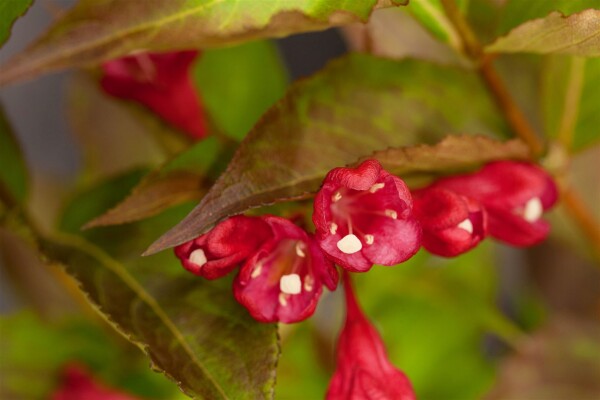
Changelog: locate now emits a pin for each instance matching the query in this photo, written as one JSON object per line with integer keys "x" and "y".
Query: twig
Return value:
{"x": 581, "y": 215}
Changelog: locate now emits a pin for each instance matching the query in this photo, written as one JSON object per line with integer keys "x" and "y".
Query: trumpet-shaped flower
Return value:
{"x": 363, "y": 216}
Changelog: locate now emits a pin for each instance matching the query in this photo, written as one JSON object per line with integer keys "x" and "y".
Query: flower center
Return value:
{"x": 467, "y": 225}
{"x": 350, "y": 215}
{"x": 198, "y": 257}
{"x": 533, "y": 210}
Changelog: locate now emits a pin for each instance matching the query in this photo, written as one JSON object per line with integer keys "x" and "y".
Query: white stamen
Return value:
{"x": 336, "y": 197}
{"x": 299, "y": 251}
{"x": 467, "y": 225}
{"x": 349, "y": 244}
{"x": 256, "y": 272}
{"x": 333, "y": 228}
{"x": 369, "y": 239}
{"x": 533, "y": 210}
{"x": 308, "y": 283}
{"x": 391, "y": 213}
{"x": 290, "y": 284}
{"x": 376, "y": 187}
{"x": 283, "y": 299}
{"x": 198, "y": 257}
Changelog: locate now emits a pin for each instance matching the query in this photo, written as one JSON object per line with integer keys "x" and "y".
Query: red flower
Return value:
{"x": 452, "y": 224}
{"x": 78, "y": 384}
{"x": 514, "y": 194}
{"x": 283, "y": 280}
{"x": 364, "y": 216}
{"x": 161, "y": 82}
{"x": 219, "y": 251}
{"x": 363, "y": 369}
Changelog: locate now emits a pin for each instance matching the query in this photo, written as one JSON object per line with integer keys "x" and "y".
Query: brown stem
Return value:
{"x": 494, "y": 83}
{"x": 583, "y": 218}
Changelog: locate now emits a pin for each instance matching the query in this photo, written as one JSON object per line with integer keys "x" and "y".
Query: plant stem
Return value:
{"x": 576, "y": 208}
{"x": 581, "y": 215}
{"x": 494, "y": 83}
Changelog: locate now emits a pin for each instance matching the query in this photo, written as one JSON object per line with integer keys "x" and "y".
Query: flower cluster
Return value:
{"x": 365, "y": 216}
{"x": 160, "y": 82}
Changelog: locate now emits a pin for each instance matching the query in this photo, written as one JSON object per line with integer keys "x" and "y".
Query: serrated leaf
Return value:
{"x": 184, "y": 178}
{"x": 192, "y": 329}
{"x": 570, "y": 100}
{"x": 357, "y": 105}
{"x": 238, "y": 84}
{"x": 13, "y": 172}
{"x": 10, "y": 10}
{"x": 577, "y": 34}
{"x": 94, "y": 30}
{"x": 452, "y": 154}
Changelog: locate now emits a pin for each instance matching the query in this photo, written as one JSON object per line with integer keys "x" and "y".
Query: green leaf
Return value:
{"x": 356, "y": 105}
{"x": 431, "y": 14}
{"x": 517, "y": 12}
{"x": 10, "y": 10}
{"x": 13, "y": 172}
{"x": 182, "y": 179}
{"x": 238, "y": 84}
{"x": 577, "y": 34}
{"x": 569, "y": 100}
{"x": 191, "y": 329}
{"x": 95, "y": 31}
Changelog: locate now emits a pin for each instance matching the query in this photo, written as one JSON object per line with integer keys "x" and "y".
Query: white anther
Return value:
{"x": 283, "y": 299}
{"x": 391, "y": 213}
{"x": 467, "y": 225}
{"x": 333, "y": 228}
{"x": 533, "y": 210}
{"x": 256, "y": 272}
{"x": 349, "y": 244}
{"x": 336, "y": 197}
{"x": 290, "y": 284}
{"x": 308, "y": 283}
{"x": 369, "y": 239}
{"x": 198, "y": 257}
{"x": 376, "y": 187}
{"x": 299, "y": 250}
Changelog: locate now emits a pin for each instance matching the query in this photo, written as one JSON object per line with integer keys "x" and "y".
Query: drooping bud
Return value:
{"x": 363, "y": 216}
{"x": 226, "y": 246}
{"x": 160, "y": 82}
{"x": 452, "y": 224}
{"x": 283, "y": 280}
{"x": 363, "y": 370}
{"x": 514, "y": 195}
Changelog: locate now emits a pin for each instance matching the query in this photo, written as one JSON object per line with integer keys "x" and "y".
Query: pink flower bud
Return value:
{"x": 162, "y": 83}
{"x": 78, "y": 384}
{"x": 514, "y": 195}
{"x": 282, "y": 281}
{"x": 219, "y": 251}
{"x": 363, "y": 369}
{"x": 363, "y": 216}
{"x": 452, "y": 224}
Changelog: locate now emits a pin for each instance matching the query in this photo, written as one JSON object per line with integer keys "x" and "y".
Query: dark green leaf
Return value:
{"x": 570, "y": 98}
{"x": 238, "y": 84}
{"x": 10, "y": 10}
{"x": 192, "y": 329}
{"x": 94, "y": 30}
{"x": 357, "y": 105}
{"x": 577, "y": 34}
{"x": 13, "y": 172}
